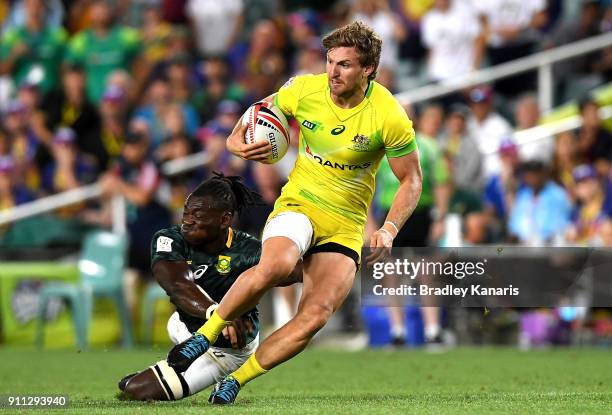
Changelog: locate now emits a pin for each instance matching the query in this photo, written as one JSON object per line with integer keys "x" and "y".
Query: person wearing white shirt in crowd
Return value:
{"x": 487, "y": 128}
{"x": 512, "y": 29}
{"x": 378, "y": 15}
{"x": 527, "y": 115}
{"x": 452, "y": 34}
{"x": 216, "y": 24}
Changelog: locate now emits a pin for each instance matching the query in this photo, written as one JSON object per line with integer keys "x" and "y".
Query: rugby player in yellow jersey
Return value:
{"x": 348, "y": 122}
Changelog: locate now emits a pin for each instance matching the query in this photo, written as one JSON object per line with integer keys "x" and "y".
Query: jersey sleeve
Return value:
{"x": 131, "y": 42}
{"x": 254, "y": 250}
{"x": 76, "y": 50}
{"x": 8, "y": 41}
{"x": 398, "y": 133}
{"x": 288, "y": 96}
{"x": 167, "y": 245}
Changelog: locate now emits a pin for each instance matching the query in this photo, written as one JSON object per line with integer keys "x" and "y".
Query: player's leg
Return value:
{"x": 328, "y": 278}
{"x": 285, "y": 239}
{"x": 160, "y": 382}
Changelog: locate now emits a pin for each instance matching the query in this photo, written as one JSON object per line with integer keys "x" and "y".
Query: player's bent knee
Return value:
{"x": 269, "y": 273}
{"x": 313, "y": 318}
{"x": 160, "y": 383}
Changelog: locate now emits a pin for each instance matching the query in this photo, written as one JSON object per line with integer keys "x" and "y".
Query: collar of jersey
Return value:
{"x": 344, "y": 114}
{"x": 230, "y": 236}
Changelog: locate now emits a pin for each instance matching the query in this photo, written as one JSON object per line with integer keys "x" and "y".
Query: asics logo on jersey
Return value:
{"x": 335, "y": 165}
{"x": 200, "y": 271}
{"x": 338, "y": 130}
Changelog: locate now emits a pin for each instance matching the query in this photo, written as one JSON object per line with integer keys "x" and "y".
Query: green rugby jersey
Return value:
{"x": 45, "y": 53}
{"x": 102, "y": 55}
{"x": 215, "y": 274}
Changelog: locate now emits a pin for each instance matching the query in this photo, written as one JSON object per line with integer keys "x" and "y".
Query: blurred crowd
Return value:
{"x": 95, "y": 91}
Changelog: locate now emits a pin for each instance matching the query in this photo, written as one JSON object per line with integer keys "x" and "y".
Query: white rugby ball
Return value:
{"x": 266, "y": 122}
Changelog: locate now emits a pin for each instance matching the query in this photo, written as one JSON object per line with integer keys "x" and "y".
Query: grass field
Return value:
{"x": 462, "y": 381}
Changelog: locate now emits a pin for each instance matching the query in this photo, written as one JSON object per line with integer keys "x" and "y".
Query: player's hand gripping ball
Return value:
{"x": 266, "y": 122}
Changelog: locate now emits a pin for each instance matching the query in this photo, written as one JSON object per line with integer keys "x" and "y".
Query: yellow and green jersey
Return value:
{"x": 340, "y": 149}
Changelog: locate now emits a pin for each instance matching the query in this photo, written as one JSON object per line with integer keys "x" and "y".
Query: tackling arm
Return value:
{"x": 184, "y": 293}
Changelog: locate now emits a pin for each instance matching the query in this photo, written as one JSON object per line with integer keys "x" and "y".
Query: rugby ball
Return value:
{"x": 266, "y": 122}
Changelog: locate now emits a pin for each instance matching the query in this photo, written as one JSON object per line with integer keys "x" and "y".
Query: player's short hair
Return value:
{"x": 227, "y": 193}
{"x": 360, "y": 36}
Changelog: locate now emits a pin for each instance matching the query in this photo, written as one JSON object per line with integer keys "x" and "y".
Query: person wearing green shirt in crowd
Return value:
{"x": 104, "y": 48}
{"x": 33, "y": 52}
{"x": 430, "y": 211}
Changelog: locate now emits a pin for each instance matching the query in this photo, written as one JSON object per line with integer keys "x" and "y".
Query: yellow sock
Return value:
{"x": 213, "y": 327}
{"x": 248, "y": 371}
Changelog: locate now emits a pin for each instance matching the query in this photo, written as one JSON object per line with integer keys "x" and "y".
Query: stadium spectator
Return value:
{"x": 309, "y": 59}
{"x": 527, "y": 115}
{"x": 159, "y": 102}
{"x": 378, "y": 15}
{"x": 487, "y": 127}
{"x": 412, "y": 12}
{"x": 594, "y": 205}
{"x": 105, "y": 47}
{"x": 137, "y": 179}
{"x": 52, "y": 10}
{"x": 11, "y": 193}
{"x": 216, "y": 24}
{"x": 23, "y": 145}
{"x": 155, "y": 33}
{"x": 69, "y": 107}
{"x": 182, "y": 82}
{"x": 462, "y": 151}
{"x": 541, "y": 210}
{"x": 512, "y": 28}
{"x": 69, "y": 169}
{"x": 219, "y": 86}
{"x": 33, "y": 51}
{"x": 452, "y": 34}
{"x": 594, "y": 142}
{"x": 426, "y": 224}
{"x": 566, "y": 158}
{"x": 500, "y": 188}
{"x": 587, "y": 24}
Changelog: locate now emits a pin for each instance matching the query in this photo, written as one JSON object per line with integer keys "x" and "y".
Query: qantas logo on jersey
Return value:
{"x": 334, "y": 165}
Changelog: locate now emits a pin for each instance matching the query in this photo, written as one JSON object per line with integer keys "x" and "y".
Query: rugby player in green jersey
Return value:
{"x": 196, "y": 263}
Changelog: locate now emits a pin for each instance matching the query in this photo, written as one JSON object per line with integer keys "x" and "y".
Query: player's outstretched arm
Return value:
{"x": 407, "y": 169}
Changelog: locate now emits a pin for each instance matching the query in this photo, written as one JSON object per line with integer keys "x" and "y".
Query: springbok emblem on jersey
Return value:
{"x": 223, "y": 265}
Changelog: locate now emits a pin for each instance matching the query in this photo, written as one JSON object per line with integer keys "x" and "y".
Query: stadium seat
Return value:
{"x": 152, "y": 293}
{"x": 100, "y": 272}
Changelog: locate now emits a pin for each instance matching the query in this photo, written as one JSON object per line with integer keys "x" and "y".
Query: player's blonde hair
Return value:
{"x": 362, "y": 38}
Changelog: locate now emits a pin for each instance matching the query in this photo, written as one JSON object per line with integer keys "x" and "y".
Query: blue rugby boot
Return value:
{"x": 225, "y": 392}
{"x": 184, "y": 354}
